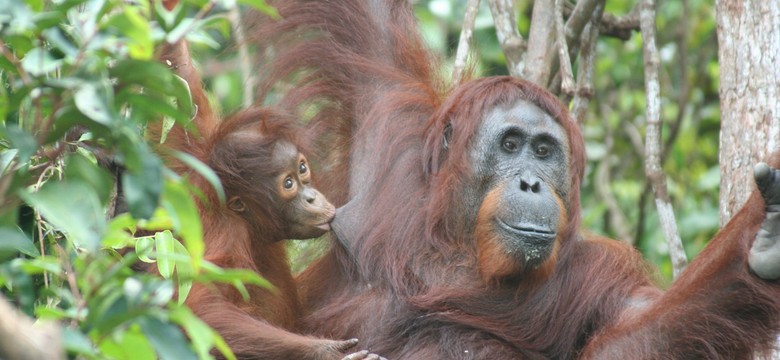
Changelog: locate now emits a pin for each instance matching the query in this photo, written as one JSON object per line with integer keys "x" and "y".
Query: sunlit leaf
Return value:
{"x": 117, "y": 235}
{"x": 132, "y": 25}
{"x": 262, "y": 6}
{"x": 186, "y": 219}
{"x": 184, "y": 271}
{"x": 144, "y": 247}
{"x": 38, "y": 265}
{"x": 164, "y": 244}
{"x": 39, "y": 62}
{"x": 93, "y": 101}
{"x": 129, "y": 344}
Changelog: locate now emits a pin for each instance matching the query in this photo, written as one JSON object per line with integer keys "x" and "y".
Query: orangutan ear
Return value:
{"x": 236, "y": 204}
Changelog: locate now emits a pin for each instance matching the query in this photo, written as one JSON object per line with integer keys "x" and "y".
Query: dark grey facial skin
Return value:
{"x": 523, "y": 152}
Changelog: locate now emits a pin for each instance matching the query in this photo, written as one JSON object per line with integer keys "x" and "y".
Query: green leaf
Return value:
{"x": 20, "y": 140}
{"x": 14, "y": 241}
{"x": 184, "y": 271}
{"x": 144, "y": 247}
{"x": 130, "y": 344}
{"x": 160, "y": 220}
{"x": 166, "y": 338}
{"x": 164, "y": 243}
{"x": 142, "y": 182}
{"x": 132, "y": 25}
{"x": 81, "y": 169}
{"x": 74, "y": 208}
{"x": 204, "y": 170}
{"x": 150, "y": 74}
{"x": 186, "y": 219}
{"x": 93, "y": 101}
{"x": 153, "y": 107}
{"x": 38, "y": 265}
{"x": 39, "y": 62}
{"x": 203, "y": 338}
{"x": 55, "y": 37}
{"x": 76, "y": 342}
{"x": 4, "y": 102}
{"x": 262, "y": 6}
{"x": 117, "y": 235}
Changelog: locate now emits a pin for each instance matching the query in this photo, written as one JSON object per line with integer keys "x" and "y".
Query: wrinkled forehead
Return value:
{"x": 525, "y": 115}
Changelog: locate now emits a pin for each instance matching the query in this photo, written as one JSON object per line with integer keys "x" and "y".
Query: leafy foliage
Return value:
{"x": 80, "y": 83}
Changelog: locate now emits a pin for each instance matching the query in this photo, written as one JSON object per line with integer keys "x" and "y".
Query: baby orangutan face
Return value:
{"x": 306, "y": 212}
{"x": 270, "y": 186}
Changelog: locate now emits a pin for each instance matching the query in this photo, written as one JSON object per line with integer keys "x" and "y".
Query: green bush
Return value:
{"x": 80, "y": 83}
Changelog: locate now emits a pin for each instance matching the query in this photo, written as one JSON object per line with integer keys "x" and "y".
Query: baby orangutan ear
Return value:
{"x": 236, "y": 204}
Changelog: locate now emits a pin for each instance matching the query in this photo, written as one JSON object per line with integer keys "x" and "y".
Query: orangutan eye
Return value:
{"x": 288, "y": 183}
{"x": 302, "y": 168}
{"x": 510, "y": 145}
{"x": 542, "y": 151}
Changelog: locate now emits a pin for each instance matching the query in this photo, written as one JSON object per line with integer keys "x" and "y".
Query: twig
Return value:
{"x": 17, "y": 64}
{"x": 70, "y": 276}
{"x": 472, "y": 6}
{"x": 567, "y": 82}
{"x": 653, "y": 168}
{"x": 243, "y": 57}
{"x": 585, "y": 67}
{"x": 509, "y": 38}
{"x": 620, "y": 27}
{"x": 39, "y": 221}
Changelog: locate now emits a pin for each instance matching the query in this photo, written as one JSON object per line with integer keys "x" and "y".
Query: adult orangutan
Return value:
{"x": 270, "y": 196}
{"x": 459, "y": 232}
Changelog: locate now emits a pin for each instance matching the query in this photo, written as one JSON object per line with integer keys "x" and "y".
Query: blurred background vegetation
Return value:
{"x": 79, "y": 84}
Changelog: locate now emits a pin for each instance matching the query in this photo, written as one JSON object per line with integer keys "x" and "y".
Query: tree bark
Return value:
{"x": 21, "y": 340}
{"x": 749, "y": 57}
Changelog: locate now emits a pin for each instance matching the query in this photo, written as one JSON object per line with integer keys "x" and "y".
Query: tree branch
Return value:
{"x": 472, "y": 6}
{"x": 567, "y": 81}
{"x": 620, "y": 27}
{"x": 512, "y": 43}
{"x": 653, "y": 168}
{"x": 585, "y": 67}
{"x": 540, "y": 55}
{"x": 21, "y": 340}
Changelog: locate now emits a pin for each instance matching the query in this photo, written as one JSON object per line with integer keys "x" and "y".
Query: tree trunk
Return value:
{"x": 749, "y": 57}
